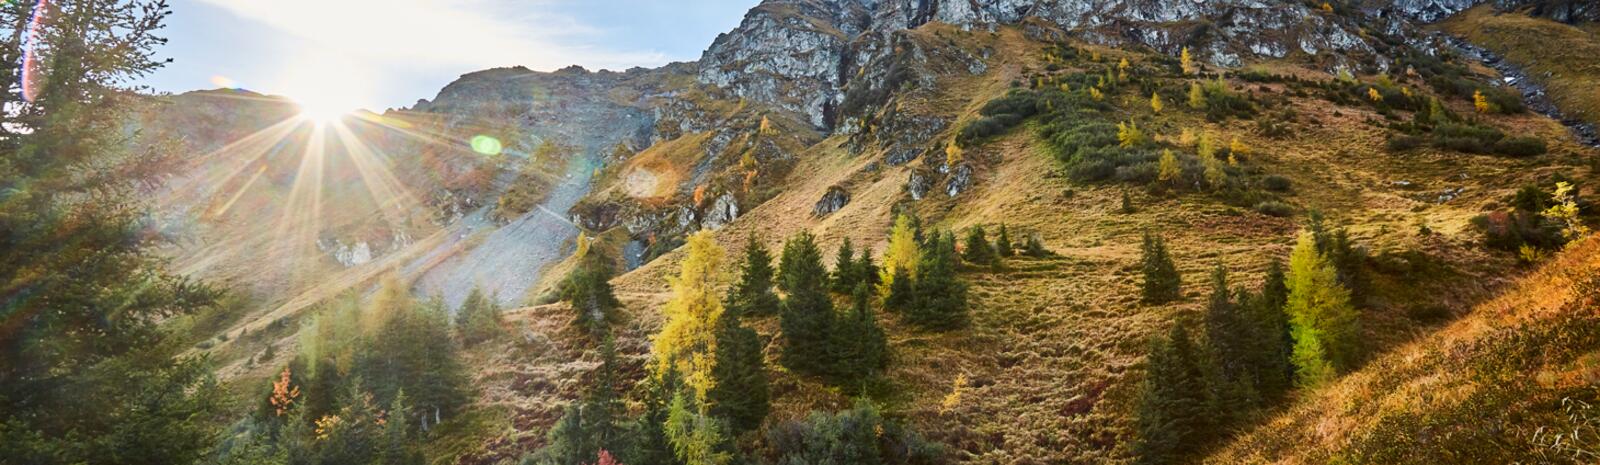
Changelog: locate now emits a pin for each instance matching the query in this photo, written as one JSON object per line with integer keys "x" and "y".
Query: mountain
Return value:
{"x": 1402, "y": 122}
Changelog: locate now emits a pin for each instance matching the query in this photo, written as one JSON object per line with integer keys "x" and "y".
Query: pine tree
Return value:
{"x": 395, "y": 448}
{"x": 1002, "y": 243}
{"x": 845, "y": 274}
{"x": 650, "y": 441}
{"x": 696, "y": 438}
{"x": 1127, "y": 203}
{"x": 588, "y": 289}
{"x": 978, "y": 252}
{"x": 1229, "y": 338}
{"x": 687, "y": 342}
{"x": 1323, "y": 321}
{"x": 902, "y": 253}
{"x": 478, "y": 319}
{"x": 807, "y": 313}
{"x": 739, "y": 392}
{"x": 859, "y": 343}
{"x": 1171, "y": 416}
{"x": 753, "y": 293}
{"x": 940, "y": 301}
{"x": 1273, "y": 345}
{"x": 900, "y": 297}
{"x": 1161, "y": 283}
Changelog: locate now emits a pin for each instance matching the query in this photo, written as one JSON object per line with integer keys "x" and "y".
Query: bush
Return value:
{"x": 1275, "y": 208}
{"x": 1520, "y": 146}
{"x": 1403, "y": 142}
{"x": 1276, "y": 183}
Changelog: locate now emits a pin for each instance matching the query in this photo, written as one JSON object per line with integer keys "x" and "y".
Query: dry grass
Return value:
{"x": 1559, "y": 56}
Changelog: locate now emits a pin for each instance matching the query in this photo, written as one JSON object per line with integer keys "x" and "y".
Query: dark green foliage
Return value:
{"x": 807, "y": 314}
{"x": 1403, "y": 142}
{"x": 1161, "y": 282}
{"x": 1522, "y": 224}
{"x": 1520, "y": 146}
{"x": 1002, "y": 242}
{"x": 998, "y": 116}
{"x": 861, "y": 349}
{"x": 1231, "y": 342}
{"x": 588, "y": 290}
{"x": 1222, "y": 103}
{"x": 87, "y": 373}
{"x": 978, "y": 251}
{"x": 866, "y": 269}
{"x": 901, "y": 292}
{"x": 651, "y": 444}
{"x": 846, "y": 275}
{"x": 1275, "y": 208}
{"x": 739, "y": 394}
{"x": 1034, "y": 247}
{"x": 413, "y": 352}
{"x": 1127, "y": 204}
{"x": 1347, "y": 258}
{"x": 859, "y": 436}
{"x": 1467, "y": 137}
{"x": 939, "y": 297}
{"x": 753, "y": 293}
{"x": 1271, "y": 345}
{"x": 478, "y": 319}
{"x": 1172, "y": 417}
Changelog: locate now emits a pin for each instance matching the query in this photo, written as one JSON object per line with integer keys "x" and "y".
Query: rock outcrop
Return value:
{"x": 835, "y": 199}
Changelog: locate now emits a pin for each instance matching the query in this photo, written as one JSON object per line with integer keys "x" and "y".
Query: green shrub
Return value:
{"x": 1275, "y": 208}
{"x": 1520, "y": 146}
{"x": 1403, "y": 142}
{"x": 1275, "y": 183}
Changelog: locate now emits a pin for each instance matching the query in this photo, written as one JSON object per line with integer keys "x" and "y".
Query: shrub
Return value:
{"x": 1403, "y": 142}
{"x": 1275, "y": 183}
{"x": 1275, "y": 208}
{"x": 1520, "y": 146}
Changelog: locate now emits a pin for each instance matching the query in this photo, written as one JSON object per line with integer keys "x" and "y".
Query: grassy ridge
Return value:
{"x": 1560, "y": 56}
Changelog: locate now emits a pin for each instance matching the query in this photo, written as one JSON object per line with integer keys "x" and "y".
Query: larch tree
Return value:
{"x": 1323, "y": 321}
{"x": 687, "y": 342}
{"x": 901, "y": 255}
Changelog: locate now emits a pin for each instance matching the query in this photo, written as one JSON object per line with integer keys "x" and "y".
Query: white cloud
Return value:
{"x": 454, "y": 34}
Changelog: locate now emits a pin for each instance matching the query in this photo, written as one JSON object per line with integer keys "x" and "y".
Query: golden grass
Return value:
{"x": 1560, "y": 56}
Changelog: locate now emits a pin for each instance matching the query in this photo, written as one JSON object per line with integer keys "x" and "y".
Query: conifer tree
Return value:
{"x": 940, "y": 301}
{"x": 1161, "y": 283}
{"x": 859, "y": 342}
{"x": 1323, "y": 321}
{"x": 900, "y": 297}
{"x": 739, "y": 393}
{"x": 865, "y": 269}
{"x": 753, "y": 293}
{"x": 687, "y": 342}
{"x": 1156, "y": 104}
{"x": 1171, "y": 416}
{"x": 1197, "y": 97}
{"x": 902, "y": 253}
{"x": 1034, "y": 247}
{"x": 1229, "y": 338}
{"x": 1274, "y": 373}
{"x": 978, "y": 252}
{"x": 1187, "y": 62}
{"x": 588, "y": 290}
{"x": 807, "y": 313}
{"x": 845, "y": 274}
{"x": 478, "y": 319}
{"x": 696, "y": 437}
{"x": 1002, "y": 243}
{"x": 1167, "y": 169}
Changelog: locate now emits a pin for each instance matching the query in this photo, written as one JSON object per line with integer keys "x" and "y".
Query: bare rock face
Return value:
{"x": 835, "y": 199}
{"x": 723, "y": 211}
{"x": 960, "y": 180}
{"x": 920, "y": 182}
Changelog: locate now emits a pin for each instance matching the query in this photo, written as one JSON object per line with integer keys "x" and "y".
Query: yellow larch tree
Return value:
{"x": 687, "y": 342}
{"x": 902, "y": 253}
{"x": 1155, "y": 102}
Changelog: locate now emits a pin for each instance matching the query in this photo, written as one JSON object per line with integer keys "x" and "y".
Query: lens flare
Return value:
{"x": 486, "y": 145}
{"x": 30, "y": 56}
{"x": 224, "y": 82}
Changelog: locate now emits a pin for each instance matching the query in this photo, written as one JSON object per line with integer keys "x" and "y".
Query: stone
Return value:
{"x": 833, "y": 200}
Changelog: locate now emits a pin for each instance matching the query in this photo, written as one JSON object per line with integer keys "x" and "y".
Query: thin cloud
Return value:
{"x": 440, "y": 34}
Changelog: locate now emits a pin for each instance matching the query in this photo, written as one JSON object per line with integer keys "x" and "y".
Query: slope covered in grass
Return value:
{"x": 1561, "y": 57}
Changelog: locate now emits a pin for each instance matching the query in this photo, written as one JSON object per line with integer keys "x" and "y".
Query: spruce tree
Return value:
{"x": 807, "y": 314}
{"x": 1002, "y": 243}
{"x": 1171, "y": 416}
{"x": 940, "y": 298}
{"x": 1161, "y": 281}
{"x": 978, "y": 251}
{"x": 739, "y": 392}
{"x": 845, "y": 274}
{"x": 1273, "y": 344}
{"x": 1035, "y": 247}
{"x": 901, "y": 292}
{"x": 478, "y": 319}
{"x": 859, "y": 343}
{"x": 753, "y": 293}
{"x": 588, "y": 290}
{"x": 1229, "y": 339}
{"x": 865, "y": 269}
{"x": 1323, "y": 322}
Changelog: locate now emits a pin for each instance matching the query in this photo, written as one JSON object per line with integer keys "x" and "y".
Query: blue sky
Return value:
{"x": 388, "y": 53}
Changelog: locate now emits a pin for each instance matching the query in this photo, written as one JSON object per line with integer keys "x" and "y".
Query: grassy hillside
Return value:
{"x": 1560, "y": 56}
{"x": 1056, "y": 345}
{"x": 1478, "y": 390}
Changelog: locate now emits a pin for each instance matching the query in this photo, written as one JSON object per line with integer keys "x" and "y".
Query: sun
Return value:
{"x": 327, "y": 87}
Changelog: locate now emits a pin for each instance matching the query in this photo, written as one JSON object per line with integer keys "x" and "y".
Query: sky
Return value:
{"x": 378, "y": 54}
